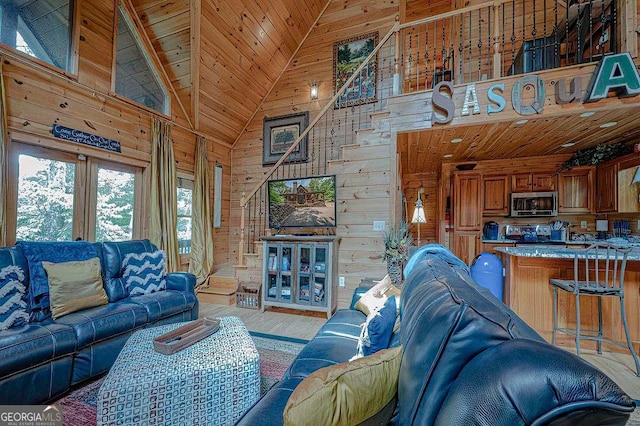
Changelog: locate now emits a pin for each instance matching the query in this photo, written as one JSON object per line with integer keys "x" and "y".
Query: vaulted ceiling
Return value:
{"x": 244, "y": 46}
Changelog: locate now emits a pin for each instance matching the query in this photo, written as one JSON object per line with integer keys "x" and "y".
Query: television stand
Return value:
{"x": 300, "y": 272}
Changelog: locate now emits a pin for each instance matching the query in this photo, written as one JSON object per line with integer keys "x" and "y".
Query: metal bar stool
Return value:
{"x": 597, "y": 271}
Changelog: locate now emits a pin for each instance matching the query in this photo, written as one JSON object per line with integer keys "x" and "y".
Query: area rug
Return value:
{"x": 276, "y": 354}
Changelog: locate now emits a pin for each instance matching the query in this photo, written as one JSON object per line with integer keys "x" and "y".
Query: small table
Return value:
{"x": 213, "y": 381}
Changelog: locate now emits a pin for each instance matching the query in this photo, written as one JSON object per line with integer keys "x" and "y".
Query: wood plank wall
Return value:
{"x": 38, "y": 97}
{"x": 313, "y": 62}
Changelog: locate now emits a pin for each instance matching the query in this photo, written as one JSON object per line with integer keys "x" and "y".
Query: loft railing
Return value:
{"x": 501, "y": 38}
{"x": 485, "y": 41}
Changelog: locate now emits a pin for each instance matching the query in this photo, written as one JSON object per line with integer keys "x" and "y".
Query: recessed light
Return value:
{"x": 568, "y": 144}
{"x": 524, "y": 120}
{"x": 587, "y": 114}
{"x": 456, "y": 140}
{"x": 608, "y": 124}
{"x": 447, "y": 156}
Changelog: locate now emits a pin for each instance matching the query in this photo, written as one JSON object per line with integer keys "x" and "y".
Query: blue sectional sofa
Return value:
{"x": 42, "y": 358}
{"x": 466, "y": 359}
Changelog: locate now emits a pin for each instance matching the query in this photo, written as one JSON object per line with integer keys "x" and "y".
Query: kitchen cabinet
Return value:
{"x": 575, "y": 190}
{"x": 467, "y": 215}
{"x": 615, "y": 190}
{"x": 495, "y": 189}
{"x": 607, "y": 187}
{"x": 534, "y": 182}
{"x": 467, "y": 245}
{"x": 300, "y": 273}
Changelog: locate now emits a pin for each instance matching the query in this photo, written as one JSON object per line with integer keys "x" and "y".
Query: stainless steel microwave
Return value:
{"x": 534, "y": 204}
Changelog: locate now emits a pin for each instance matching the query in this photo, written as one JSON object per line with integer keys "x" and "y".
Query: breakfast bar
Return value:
{"x": 528, "y": 293}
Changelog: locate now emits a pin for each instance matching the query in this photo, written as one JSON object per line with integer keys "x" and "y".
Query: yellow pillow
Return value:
{"x": 347, "y": 393}
{"x": 74, "y": 286}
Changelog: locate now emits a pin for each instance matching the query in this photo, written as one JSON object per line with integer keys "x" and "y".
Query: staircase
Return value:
{"x": 220, "y": 290}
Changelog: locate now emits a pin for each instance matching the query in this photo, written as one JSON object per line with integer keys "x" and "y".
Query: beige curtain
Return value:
{"x": 163, "y": 205}
{"x": 4, "y": 163}
{"x": 201, "y": 261}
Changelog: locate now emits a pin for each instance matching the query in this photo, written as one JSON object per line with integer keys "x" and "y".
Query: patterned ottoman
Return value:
{"x": 211, "y": 382}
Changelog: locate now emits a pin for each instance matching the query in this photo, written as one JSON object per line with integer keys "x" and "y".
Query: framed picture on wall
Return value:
{"x": 347, "y": 56}
{"x": 279, "y": 133}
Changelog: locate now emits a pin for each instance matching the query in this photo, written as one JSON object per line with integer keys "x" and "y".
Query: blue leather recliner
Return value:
{"x": 467, "y": 359}
{"x": 41, "y": 360}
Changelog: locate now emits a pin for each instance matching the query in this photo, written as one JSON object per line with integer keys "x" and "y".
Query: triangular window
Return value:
{"x": 136, "y": 78}
{"x": 39, "y": 28}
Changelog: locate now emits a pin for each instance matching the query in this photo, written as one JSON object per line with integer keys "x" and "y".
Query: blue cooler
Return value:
{"x": 486, "y": 270}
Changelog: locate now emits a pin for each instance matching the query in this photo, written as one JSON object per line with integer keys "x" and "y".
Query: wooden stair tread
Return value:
{"x": 217, "y": 290}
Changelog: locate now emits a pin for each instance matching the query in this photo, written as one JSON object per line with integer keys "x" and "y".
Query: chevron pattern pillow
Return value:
{"x": 13, "y": 295}
{"x": 145, "y": 273}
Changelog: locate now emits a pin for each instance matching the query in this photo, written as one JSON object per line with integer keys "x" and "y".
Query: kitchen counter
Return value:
{"x": 528, "y": 293}
{"x": 556, "y": 252}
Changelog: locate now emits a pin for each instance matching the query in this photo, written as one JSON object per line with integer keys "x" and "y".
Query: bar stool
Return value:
{"x": 597, "y": 271}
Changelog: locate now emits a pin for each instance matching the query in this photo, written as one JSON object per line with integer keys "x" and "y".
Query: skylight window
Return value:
{"x": 39, "y": 28}
{"x": 136, "y": 78}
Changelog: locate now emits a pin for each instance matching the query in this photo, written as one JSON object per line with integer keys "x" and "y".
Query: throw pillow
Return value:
{"x": 377, "y": 330}
{"x": 376, "y": 296}
{"x": 36, "y": 252}
{"x": 13, "y": 295}
{"x": 74, "y": 286}
{"x": 145, "y": 273}
{"x": 347, "y": 393}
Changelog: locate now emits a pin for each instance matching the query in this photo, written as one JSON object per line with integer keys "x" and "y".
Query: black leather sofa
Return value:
{"x": 467, "y": 359}
{"x": 41, "y": 360}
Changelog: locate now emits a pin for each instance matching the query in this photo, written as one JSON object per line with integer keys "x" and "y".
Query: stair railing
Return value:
{"x": 334, "y": 126}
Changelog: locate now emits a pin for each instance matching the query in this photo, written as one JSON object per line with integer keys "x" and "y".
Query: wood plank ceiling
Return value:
{"x": 244, "y": 46}
{"x": 424, "y": 152}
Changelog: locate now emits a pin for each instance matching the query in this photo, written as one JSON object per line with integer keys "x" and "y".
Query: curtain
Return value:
{"x": 163, "y": 204}
{"x": 4, "y": 162}
{"x": 201, "y": 261}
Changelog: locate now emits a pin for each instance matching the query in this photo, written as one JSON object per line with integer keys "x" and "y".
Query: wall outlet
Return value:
{"x": 378, "y": 225}
{"x": 341, "y": 282}
{"x": 583, "y": 224}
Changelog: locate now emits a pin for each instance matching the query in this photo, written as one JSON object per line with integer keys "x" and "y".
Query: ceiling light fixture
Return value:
{"x": 568, "y": 144}
{"x": 447, "y": 156}
{"x": 587, "y": 114}
{"x": 456, "y": 140}
{"x": 608, "y": 124}
{"x": 524, "y": 120}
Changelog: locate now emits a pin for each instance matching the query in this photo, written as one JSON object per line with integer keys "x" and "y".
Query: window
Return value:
{"x": 45, "y": 199}
{"x": 62, "y": 197}
{"x": 39, "y": 28}
{"x": 185, "y": 202}
{"x": 136, "y": 78}
{"x": 114, "y": 206}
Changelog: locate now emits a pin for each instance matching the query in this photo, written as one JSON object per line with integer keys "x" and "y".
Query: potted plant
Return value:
{"x": 396, "y": 251}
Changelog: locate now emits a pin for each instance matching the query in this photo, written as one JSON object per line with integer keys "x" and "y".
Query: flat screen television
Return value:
{"x": 302, "y": 202}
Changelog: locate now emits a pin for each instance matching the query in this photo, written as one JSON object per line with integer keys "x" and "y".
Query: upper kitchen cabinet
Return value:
{"x": 534, "y": 182}
{"x": 606, "y": 187}
{"x": 575, "y": 190}
{"x": 616, "y": 192}
{"x": 495, "y": 189}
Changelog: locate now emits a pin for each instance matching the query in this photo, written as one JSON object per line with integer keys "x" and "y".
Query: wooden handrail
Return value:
{"x": 294, "y": 145}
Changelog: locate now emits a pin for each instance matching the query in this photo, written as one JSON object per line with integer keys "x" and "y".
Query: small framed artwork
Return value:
{"x": 347, "y": 57}
{"x": 279, "y": 133}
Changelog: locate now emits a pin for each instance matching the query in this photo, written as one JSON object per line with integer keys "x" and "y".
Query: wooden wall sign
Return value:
{"x": 85, "y": 138}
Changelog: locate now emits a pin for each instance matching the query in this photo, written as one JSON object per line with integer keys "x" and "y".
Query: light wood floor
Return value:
{"x": 618, "y": 366}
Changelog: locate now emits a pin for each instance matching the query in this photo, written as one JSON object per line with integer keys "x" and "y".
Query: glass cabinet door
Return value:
{"x": 286, "y": 275}
{"x": 304, "y": 274}
{"x": 271, "y": 291}
{"x": 320, "y": 275}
